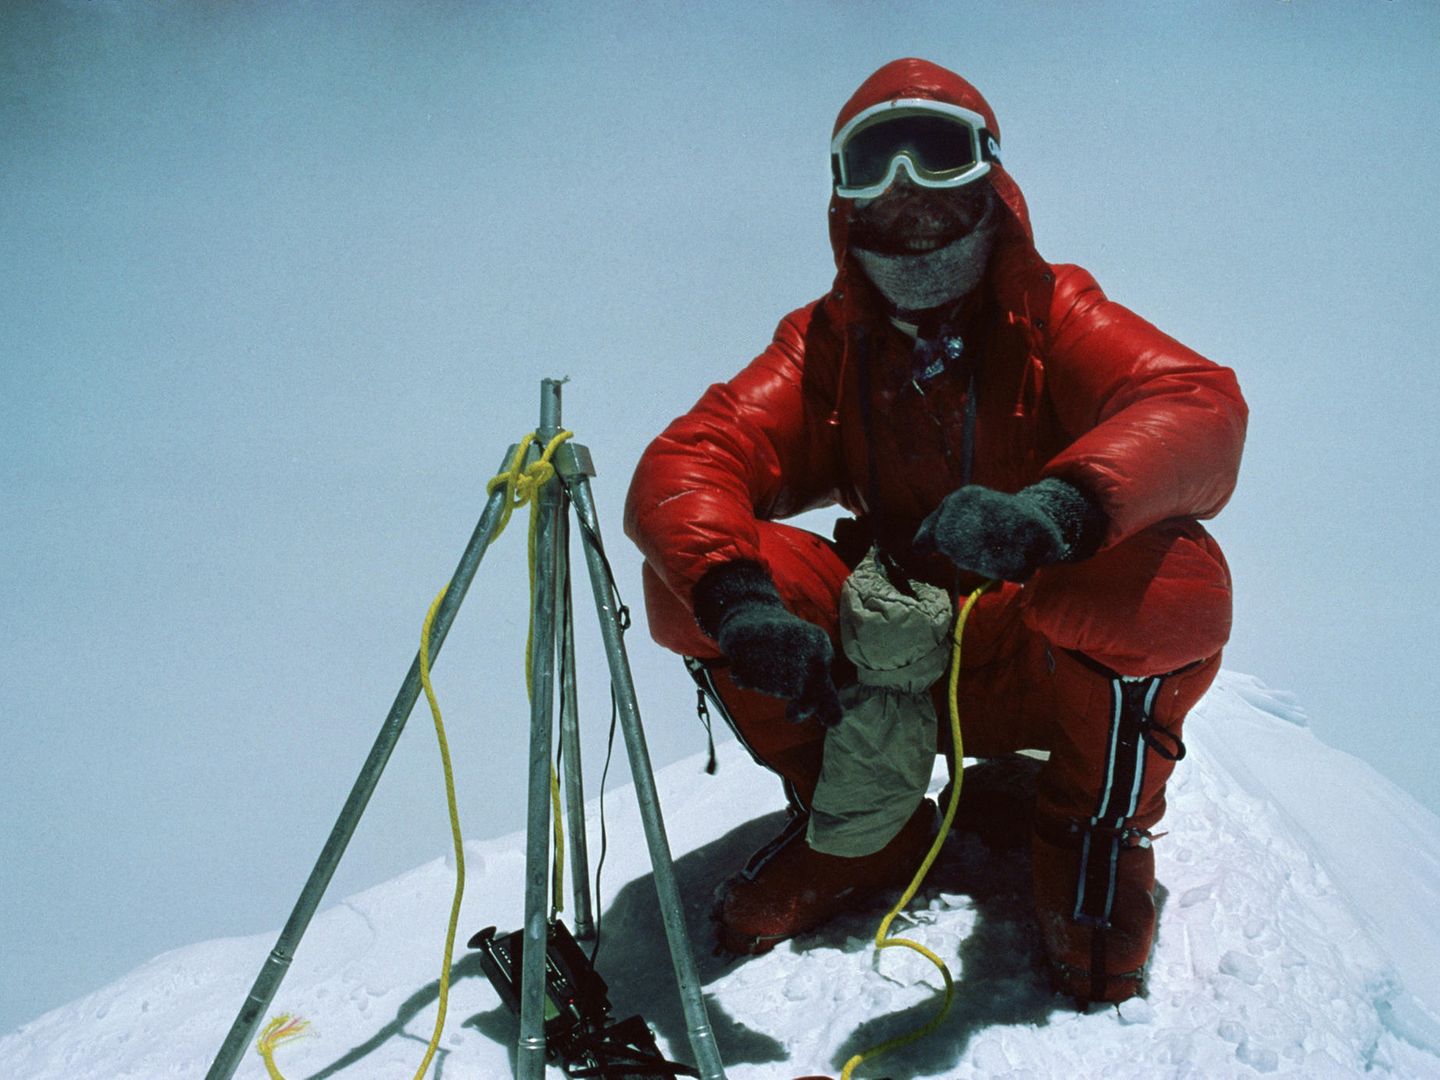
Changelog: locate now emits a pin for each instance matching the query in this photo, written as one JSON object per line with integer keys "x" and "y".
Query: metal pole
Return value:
{"x": 530, "y": 1050}
{"x": 570, "y": 736}
{"x": 242, "y": 1031}
{"x": 697, "y": 1020}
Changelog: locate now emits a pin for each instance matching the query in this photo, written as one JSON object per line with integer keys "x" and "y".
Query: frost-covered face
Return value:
{"x": 923, "y": 247}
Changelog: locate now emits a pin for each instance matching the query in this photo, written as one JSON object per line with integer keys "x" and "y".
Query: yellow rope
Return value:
{"x": 522, "y": 484}
{"x": 281, "y": 1029}
{"x": 285, "y": 1028}
{"x": 882, "y": 938}
{"x": 454, "y": 833}
{"x": 557, "y": 877}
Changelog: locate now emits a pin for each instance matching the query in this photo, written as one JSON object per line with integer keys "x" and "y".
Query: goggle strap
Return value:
{"x": 989, "y": 146}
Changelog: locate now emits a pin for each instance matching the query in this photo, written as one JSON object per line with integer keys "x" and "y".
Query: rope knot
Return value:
{"x": 523, "y": 482}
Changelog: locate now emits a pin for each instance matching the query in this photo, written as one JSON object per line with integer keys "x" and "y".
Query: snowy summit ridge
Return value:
{"x": 1297, "y": 889}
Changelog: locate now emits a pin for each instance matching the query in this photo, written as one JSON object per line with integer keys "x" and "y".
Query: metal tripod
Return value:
{"x": 553, "y": 628}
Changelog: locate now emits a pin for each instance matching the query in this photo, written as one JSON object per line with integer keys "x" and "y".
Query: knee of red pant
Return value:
{"x": 794, "y": 751}
{"x": 806, "y": 570}
{"x": 1155, "y": 602}
{"x": 1180, "y": 692}
{"x": 672, "y": 624}
{"x": 1078, "y": 782}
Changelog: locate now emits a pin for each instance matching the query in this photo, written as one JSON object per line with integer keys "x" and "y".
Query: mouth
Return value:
{"x": 920, "y": 245}
{"x": 901, "y": 243}
{"x": 908, "y": 229}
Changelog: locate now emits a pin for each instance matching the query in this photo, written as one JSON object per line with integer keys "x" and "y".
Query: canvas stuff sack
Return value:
{"x": 879, "y": 758}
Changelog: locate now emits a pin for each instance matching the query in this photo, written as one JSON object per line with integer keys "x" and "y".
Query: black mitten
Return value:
{"x": 769, "y": 649}
{"x": 1009, "y": 537}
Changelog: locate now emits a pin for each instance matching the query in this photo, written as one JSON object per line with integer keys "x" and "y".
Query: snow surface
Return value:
{"x": 1298, "y": 891}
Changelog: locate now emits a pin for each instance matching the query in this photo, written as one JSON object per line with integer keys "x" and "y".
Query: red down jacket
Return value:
{"x": 1067, "y": 383}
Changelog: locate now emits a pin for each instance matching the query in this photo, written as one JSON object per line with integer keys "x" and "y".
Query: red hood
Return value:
{"x": 921, "y": 79}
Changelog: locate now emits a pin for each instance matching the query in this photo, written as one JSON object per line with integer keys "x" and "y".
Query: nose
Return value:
{"x": 903, "y": 183}
{"x": 903, "y": 187}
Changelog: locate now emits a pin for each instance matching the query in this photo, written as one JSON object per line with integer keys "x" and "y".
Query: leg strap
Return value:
{"x": 1107, "y": 832}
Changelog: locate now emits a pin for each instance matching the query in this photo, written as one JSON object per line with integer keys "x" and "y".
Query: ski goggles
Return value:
{"x": 937, "y": 144}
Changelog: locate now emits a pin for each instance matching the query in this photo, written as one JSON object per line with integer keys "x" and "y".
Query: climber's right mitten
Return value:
{"x": 769, "y": 649}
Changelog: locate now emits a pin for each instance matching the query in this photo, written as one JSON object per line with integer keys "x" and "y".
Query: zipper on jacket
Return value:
{"x": 953, "y": 347}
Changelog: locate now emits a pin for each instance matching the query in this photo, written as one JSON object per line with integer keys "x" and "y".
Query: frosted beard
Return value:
{"x": 917, "y": 281}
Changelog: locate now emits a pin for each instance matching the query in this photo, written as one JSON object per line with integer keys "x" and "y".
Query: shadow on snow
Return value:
{"x": 999, "y": 976}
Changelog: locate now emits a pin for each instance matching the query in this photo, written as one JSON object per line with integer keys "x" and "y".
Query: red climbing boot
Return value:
{"x": 1094, "y": 899}
{"x": 789, "y": 888}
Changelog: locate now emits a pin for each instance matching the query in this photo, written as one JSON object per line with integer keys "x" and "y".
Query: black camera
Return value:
{"x": 580, "y": 1031}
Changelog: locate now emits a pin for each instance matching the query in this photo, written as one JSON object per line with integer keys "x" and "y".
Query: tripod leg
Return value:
{"x": 697, "y": 1021}
{"x": 570, "y": 738}
{"x": 530, "y": 1055}
{"x": 242, "y": 1031}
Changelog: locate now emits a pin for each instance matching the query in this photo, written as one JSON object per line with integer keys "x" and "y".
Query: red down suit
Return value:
{"x": 1057, "y": 381}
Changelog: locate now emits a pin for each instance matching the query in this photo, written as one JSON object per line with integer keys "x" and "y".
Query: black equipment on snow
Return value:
{"x": 580, "y": 1030}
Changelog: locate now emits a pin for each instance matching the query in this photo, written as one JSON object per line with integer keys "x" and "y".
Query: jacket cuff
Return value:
{"x": 727, "y": 587}
{"x": 1078, "y": 515}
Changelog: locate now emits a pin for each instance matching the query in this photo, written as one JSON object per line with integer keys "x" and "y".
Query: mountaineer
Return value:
{"x": 983, "y": 415}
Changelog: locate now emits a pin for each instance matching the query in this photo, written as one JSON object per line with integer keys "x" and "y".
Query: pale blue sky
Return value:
{"x": 279, "y": 288}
